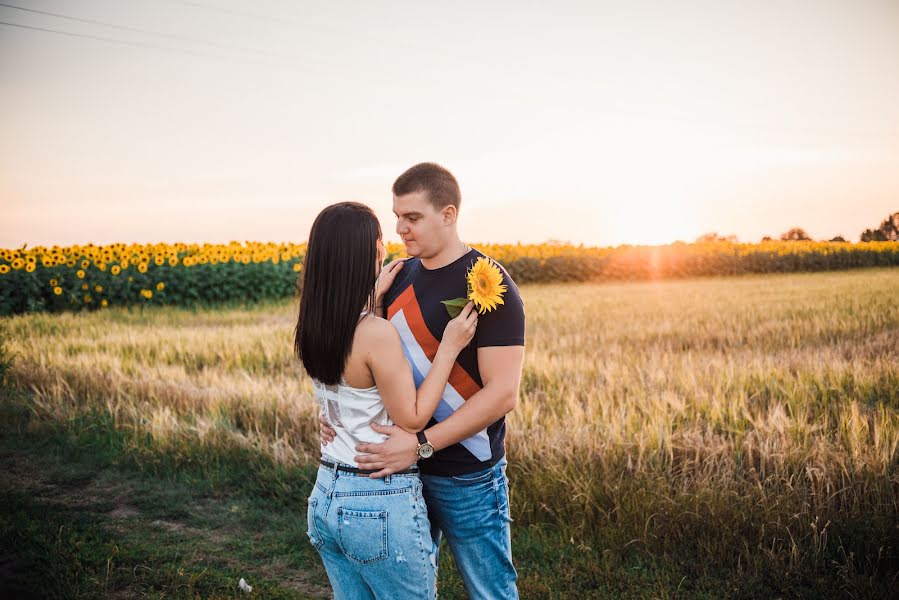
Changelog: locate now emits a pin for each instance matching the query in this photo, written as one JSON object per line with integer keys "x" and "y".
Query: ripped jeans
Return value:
{"x": 373, "y": 535}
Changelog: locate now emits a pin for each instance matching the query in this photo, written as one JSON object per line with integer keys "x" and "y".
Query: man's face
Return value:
{"x": 422, "y": 227}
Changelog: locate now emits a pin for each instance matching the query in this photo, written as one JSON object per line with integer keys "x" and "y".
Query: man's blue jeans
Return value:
{"x": 472, "y": 511}
{"x": 373, "y": 536}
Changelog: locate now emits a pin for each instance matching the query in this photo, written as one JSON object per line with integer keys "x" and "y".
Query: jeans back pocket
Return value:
{"x": 311, "y": 530}
{"x": 363, "y": 534}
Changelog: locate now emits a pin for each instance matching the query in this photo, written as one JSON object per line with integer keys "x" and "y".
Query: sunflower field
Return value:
{"x": 88, "y": 277}
{"x": 95, "y": 277}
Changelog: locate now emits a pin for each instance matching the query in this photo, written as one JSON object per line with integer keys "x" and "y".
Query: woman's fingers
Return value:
{"x": 388, "y": 274}
{"x": 394, "y": 266}
{"x": 472, "y": 318}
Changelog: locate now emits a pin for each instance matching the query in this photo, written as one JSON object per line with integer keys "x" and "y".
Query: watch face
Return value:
{"x": 426, "y": 450}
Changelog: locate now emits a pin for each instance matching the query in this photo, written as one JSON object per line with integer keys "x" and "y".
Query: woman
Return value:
{"x": 373, "y": 534}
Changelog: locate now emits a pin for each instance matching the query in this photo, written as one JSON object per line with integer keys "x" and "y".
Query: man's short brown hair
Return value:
{"x": 440, "y": 185}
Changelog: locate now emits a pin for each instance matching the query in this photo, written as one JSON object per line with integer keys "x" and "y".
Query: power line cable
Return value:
{"x": 149, "y": 46}
{"x": 169, "y": 36}
{"x": 242, "y": 14}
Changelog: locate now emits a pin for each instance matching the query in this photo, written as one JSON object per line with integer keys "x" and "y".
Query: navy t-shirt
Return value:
{"x": 414, "y": 308}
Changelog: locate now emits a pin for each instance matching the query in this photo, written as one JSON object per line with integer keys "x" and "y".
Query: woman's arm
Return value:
{"x": 411, "y": 409}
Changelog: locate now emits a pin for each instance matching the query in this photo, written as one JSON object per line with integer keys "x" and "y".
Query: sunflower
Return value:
{"x": 485, "y": 285}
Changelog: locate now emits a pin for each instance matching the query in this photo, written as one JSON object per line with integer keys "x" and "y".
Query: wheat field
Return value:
{"x": 746, "y": 421}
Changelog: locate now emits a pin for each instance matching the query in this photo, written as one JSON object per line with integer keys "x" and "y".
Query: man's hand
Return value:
{"x": 327, "y": 434}
{"x": 398, "y": 452}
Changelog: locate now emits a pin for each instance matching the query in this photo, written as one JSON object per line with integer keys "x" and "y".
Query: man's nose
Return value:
{"x": 401, "y": 228}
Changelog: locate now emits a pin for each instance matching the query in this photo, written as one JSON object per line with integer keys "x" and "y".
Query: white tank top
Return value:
{"x": 350, "y": 411}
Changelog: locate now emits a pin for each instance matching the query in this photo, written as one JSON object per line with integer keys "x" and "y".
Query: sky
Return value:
{"x": 600, "y": 123}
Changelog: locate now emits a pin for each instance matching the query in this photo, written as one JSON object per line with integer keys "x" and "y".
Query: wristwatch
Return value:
{"x": 425, "y": 449}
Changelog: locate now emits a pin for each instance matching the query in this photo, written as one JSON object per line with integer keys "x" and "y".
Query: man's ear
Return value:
{"x": 450, "y": 214}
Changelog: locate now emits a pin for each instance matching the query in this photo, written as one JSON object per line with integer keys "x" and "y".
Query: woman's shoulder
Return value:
{"x": 374, "y": 329}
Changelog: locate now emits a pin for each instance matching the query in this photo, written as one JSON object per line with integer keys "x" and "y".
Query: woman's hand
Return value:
{"x": 385, "y": 279}
{"x": 460, "y": 331}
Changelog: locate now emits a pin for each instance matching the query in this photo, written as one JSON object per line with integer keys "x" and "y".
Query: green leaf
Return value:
{"x": 454, "y": 306}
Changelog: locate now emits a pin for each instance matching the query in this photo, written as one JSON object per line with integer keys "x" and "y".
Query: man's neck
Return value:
{"x": 453, "y": 251}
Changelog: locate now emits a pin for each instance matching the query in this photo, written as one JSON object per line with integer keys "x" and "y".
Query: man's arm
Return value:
{"x": 500, "y": 368}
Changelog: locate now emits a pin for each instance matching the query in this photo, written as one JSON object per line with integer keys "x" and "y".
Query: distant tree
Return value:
{"x": 887, "y": 232}
{"x": 797, "y": 234}
{"x": 838, "y": 238}
{"x": 713, "y": 236}
{"x": 767, "y": 238}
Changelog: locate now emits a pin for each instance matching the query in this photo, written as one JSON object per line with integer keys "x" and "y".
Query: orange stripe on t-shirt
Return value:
{"x": 416, "y": 321}
{"x": 408, "y": 303}
{"x": 400, "y": 302}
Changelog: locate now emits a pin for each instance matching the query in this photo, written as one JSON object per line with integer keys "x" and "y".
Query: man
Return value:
{"x": 461, "y": 454}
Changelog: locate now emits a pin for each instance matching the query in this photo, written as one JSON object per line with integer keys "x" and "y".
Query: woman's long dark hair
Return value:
{"x": 338, "y": 283}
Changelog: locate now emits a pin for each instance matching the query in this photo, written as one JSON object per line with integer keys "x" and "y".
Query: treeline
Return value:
{"x": 694, "y": 260}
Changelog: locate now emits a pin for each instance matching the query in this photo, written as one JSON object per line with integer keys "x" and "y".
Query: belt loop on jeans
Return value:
{"x": 387, "y": 480}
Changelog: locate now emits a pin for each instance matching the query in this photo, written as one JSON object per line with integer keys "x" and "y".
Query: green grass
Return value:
{"x": 86, "y": 514}
{"x": 83, "y": 519}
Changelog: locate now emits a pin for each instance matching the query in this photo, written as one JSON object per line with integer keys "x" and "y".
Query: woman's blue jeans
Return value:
{"x": 373, "y": 535}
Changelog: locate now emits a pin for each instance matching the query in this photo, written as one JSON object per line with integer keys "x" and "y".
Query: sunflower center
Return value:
{"x": 483, "y": 285}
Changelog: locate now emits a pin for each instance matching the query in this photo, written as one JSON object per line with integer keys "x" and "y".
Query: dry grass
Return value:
{"x": 750, "y": 420}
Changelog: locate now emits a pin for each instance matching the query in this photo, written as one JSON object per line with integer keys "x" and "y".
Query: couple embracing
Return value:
{"x": 413, "y": 393}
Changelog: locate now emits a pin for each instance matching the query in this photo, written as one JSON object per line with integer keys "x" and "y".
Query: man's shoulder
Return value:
{"x": 479, "y": 254}
{"x": 507, "y": 279}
